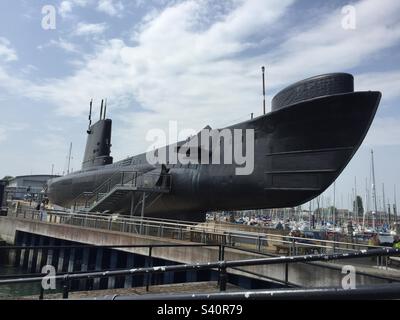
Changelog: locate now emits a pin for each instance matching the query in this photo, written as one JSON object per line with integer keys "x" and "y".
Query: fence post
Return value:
{"x": 148, "y": 280}
{"x": 65, "y": 287}
{"x": 259, "y": 243}
{"x": 286, "y": 273}
{"x": 293, "y": 247}
{"x": 223, "y": 278}
{"x": 41, "y": 292}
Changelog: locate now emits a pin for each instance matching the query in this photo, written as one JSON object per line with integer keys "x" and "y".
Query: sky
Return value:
{"x": 195, "y": 62}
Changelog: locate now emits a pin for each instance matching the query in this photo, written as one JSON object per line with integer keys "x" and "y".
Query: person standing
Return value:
{"x": 42, "y": 213}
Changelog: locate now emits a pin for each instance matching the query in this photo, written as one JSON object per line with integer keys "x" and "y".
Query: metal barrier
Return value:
{"x": 391, "y": 291}
{"x": 221, "y": 265}
{"x": 189, "y": 231}
{"x": 29, "y": 278}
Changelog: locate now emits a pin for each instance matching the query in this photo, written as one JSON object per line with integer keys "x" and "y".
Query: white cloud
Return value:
{"x": 60, "y": 43}
{"x": 385, "y": 131}
{"x": 198, "y": 71}
{"x": 3, "y": 135}
{"x": 387, "y": 82}
{"x": 110, "y": 7}
{"x": 7, "y": 128}
{"x": 324, "y": 46}
{"x": 65, "y": 8}
{"x": 6, "y": 52}
{"x": 84, "y": 29}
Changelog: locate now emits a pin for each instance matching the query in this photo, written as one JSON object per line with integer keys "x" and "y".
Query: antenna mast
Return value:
{"x": 101, "y": 109}
{"x": 263, "y": 80}
{"x": 90, "y": 116}
{"x": 105, "y": 109}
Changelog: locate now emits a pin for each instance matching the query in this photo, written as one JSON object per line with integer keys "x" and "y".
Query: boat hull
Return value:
{"x": 299, "y": 150}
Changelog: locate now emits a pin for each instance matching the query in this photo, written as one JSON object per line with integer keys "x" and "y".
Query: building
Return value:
{"x": 23, "y": 187}
{"x": 2, "y": 195}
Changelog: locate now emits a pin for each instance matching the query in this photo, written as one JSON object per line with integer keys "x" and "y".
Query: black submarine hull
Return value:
{"x": 299, "y": 150}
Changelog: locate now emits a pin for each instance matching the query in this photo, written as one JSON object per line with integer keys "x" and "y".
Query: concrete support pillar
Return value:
{"x": 50, "y": 253}
{"x": 71, "y": 260}
{"x": 25, "y": 239}
{"x": 12, "y": 257}
{"x": 18, "y": 242}
{"x": 99, "y": 260}
{"x": 129, "y": 265}
{"x": 40, "y": 256}
{"x": 84, "y": 267}
{"x": 61, "y": 253}
{"x": 31, "y": 252}
{"x": 113, "y": 265}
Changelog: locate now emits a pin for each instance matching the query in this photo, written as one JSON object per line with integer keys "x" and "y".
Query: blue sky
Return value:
{"x": 196, "y": 62}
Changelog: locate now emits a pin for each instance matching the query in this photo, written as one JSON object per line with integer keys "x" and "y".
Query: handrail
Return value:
{"x": 99, "y": 187}
{"x": 205, "y": 230}
{"x": 221, "y": 264}
{"x": 93, "y": 195}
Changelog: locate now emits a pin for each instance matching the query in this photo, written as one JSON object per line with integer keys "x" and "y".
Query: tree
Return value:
{"x": 7, "y": 179}
{"x": 359, "y": 209}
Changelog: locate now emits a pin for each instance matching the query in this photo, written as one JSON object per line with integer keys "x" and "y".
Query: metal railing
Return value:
{"x": 198, "y": 233}
{"x": 133, "y": 179}
{"x": 220, "y": 265}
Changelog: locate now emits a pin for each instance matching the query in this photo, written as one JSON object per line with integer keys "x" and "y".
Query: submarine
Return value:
{"x": 300, "y": 147}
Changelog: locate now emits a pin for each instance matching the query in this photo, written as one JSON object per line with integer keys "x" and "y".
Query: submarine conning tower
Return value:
{"x": 314, "y": 87}
{"x": 98, "y": 143}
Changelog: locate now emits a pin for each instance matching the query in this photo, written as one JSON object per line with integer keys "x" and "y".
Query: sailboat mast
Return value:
{"x": 69, "y": 157}
{"x": 384, "y": 202}
{"x": 366, "y": 204}
{"x": 334, "y": 204}
{"x": 395, "y": 204}
{"x": 373, "y": 190}
{"x": 355, "y": 199}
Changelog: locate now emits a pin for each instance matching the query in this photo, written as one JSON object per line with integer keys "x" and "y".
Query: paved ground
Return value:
{"x": 194, "y": 287}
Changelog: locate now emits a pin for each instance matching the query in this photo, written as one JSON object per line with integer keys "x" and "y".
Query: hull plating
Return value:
{"x": 299, "y": 151}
